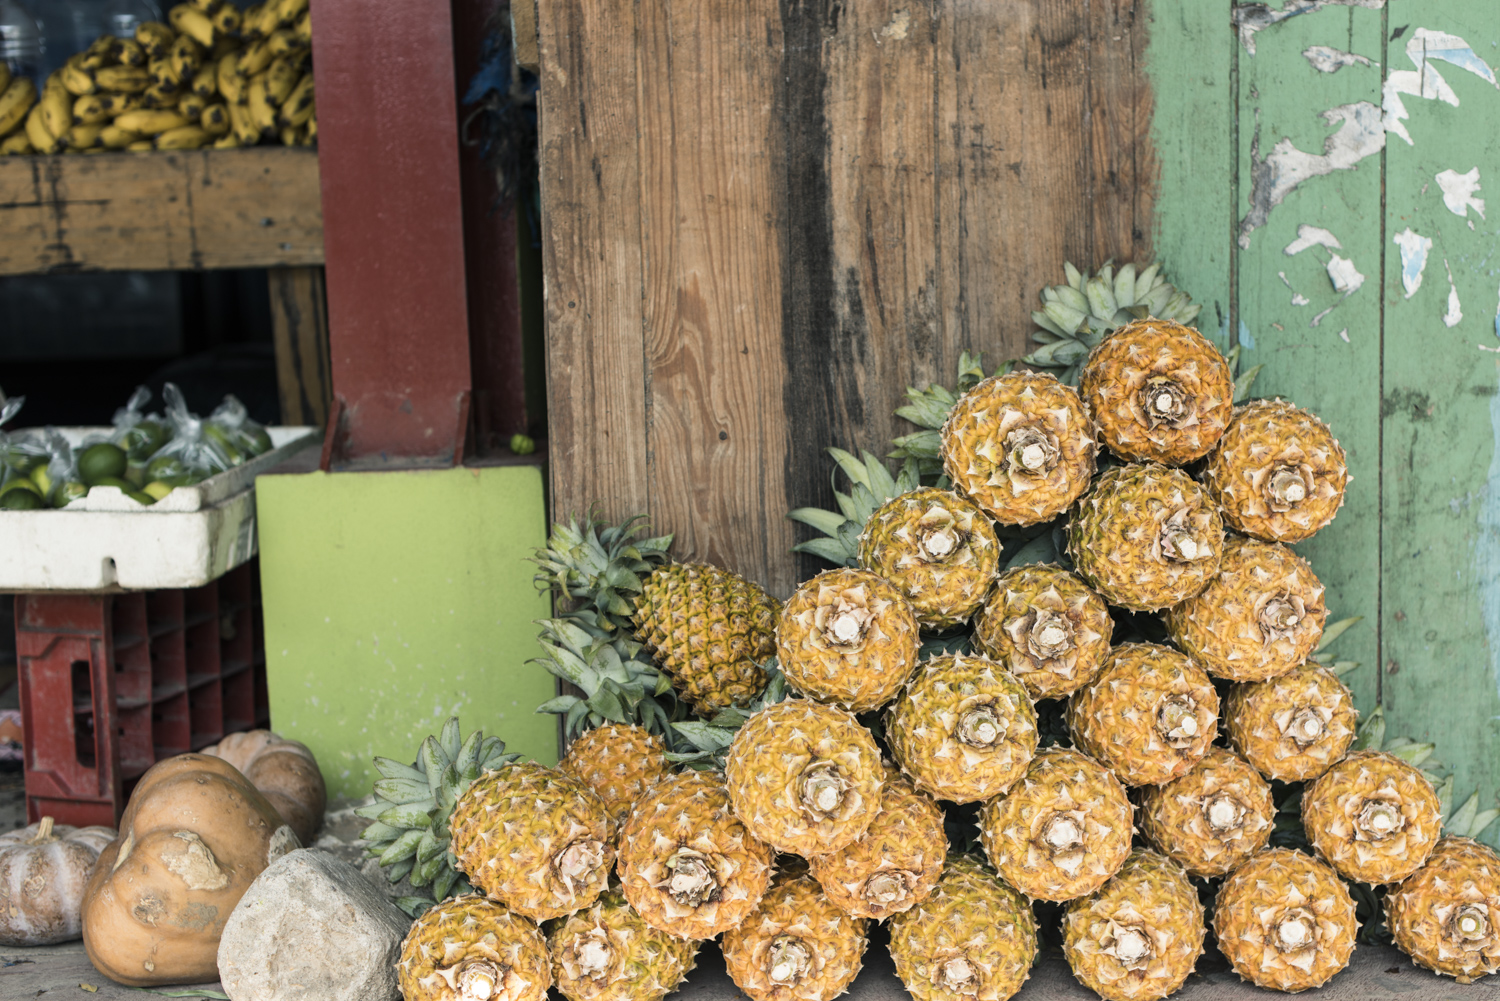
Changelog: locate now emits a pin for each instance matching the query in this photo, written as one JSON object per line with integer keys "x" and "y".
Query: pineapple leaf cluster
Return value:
{"x": 710, "y": 739}
{"x": 601, "y": 565}
{"x": 871, "y": 485}
{"x": 929, "y": 408}
{"x": 409, "y": 833}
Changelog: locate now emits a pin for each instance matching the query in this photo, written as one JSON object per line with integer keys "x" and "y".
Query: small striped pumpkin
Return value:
{"x": 44, "y": 869}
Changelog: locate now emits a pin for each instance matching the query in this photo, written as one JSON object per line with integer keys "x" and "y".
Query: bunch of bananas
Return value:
{"x": 215, "y": 77}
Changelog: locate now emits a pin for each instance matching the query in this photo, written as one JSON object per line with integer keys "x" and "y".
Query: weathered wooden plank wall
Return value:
{"x": 759, "y": 209}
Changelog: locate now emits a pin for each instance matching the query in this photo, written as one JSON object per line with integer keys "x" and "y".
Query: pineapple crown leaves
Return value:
{"x": 1076, "y": 316}
{"x": 600, "y": 564}
{"x": 871, "y": 486}
{"x": 619, "y": 686}
{"x": 1242, "y": 380}
{"x": 928, "y": 409}
{"x": 1324, "y": 658}
{"x": 409, "y": 833}
{"x": 710, "y": 739}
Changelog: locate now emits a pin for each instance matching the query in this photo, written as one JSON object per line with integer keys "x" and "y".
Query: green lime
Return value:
{"x": 22, "y": 484}
{"x": 68, "y": 492}
{"x": 221, "y": 438}
{"x": 102, "y": 461}
{"x": 258, "y": 440}
{"x": 157, "y": 489}
{"x": 42, "y": 479}
{"x": 24, "y": 462}
{"x": 140, "y": 497}
{"x": 21, "y": 500}
{"x": 145, "y": 439}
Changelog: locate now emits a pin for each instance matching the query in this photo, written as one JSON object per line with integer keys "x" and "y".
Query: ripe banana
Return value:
{"x": 4, "y": 77}
{"x": 123, "y": 79}
{"x": 187, "y": 137}
{"x": 244, "y": 129}
{"x": 288, "y": 11}
{"x": 312, "y": 129}
{"x": 204, "y": 83}
{"x": 262, "y": 112}
{"x": 280, "y": 79}
{"x": 250, "y": 22}
{"x": 128, "y": 52}
{"x": 90, "y": 110}
{"x": 281, "y": 41}
{"x": 164, "y": 73}
{"x": 156, "y": 38}
{"x": 303, "y": 28}
{"x": 15, "y": 102}
{"x": 214, "y": 119}
{"x": 141, "y": 146}
{"x": 290, "y": 135}
{"x": 76, "y": 79}
{"x": 155, "y": 98}
{"x": 114, "y": 137}
{"x": 191, "y": 21}
{"x": 187, "y": 57}
{"x": 254, "y": 58}
{"x": 191, "y": 106}
{"x": 36, "y": 130}
{"x": 16, "y": 144}
{"x": 226, "y": 141}
{"x": 227, "y": 19}
{"x": 118, "y": 104}
{"x": 298, "y": 107}
{"x": 57, "y": 107}
{"x": 150, "y": 122}
{"x": 266, "y": 20}
{"x": 231, "y": 84}
{"x": 83, "y": 136}
{"x": 207, "y": 6}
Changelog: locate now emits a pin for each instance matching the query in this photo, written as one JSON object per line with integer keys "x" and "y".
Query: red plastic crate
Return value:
{"x": 111, "y": 684}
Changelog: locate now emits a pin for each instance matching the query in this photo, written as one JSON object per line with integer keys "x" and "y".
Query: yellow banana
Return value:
{"x": 141, "y": 146}
{"x": 150, "y": 122}
{"x": 254, "y": 58}
{"x": 204, "y": 83}
{"x": 191, "y": 21}
{"x": 297, "y": 108}
{"x": 191, "y": 106}
{"x": 128, "y": 52}
{"x": 207, "y": 6}
{"x": 288, "y": 11}
{"x": 90, "y": 110}
{"x": 4, "y": 77}
{"x": 76, "y": 79}
{"x": 231, "y": 84}
{"x": 226, "y": 141}
{"x": 262, "y": 111}
{"x": 57, "y": 107}
{"x": 164, "y": 73}
{"x": 118, "y": 104}
{"x": 280, "y": 79}
{"x": 281, "y": 41}
{"x": 103, "y": 46}
{"x": 214, "y": 119}
{"x": 36, "y": 131}
{"x": 187, "y": 57}
{"x": 123, "y": 79}
{"x": 289, "y": 135}
{"x": 17, "y": 99}
{"x": 16, "y": 144}
{"x": 226, "y": 19}
{"x": 244, "y": 129}
{"x": 83, "y": 136}
{"x": 114, "y": 137}
{"x": 156, "y": 98}
{"x": 155, "y": 38}
{"x": 266, "y": 20}
{"x": 250, "y": 21}
{"x": 187, "y": 137}
{"x": 303, "y": 28}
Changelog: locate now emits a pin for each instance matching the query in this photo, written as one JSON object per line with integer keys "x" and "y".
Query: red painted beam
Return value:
{"x": 393, "y": 228}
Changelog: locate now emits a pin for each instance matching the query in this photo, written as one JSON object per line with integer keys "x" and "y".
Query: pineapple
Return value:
{"x": 1292, "y": 728}
{"x": 687, "y": 864}
{"x": 938, "y": 548}
{"x": 1285, "y": 921}
{"x": 797, "y": 946}
{"x": 472, "y": 949}
{"x": 974, "y": 937}
{"x": 1138, "y": 938}
{"x": 1373, "y": 817}
{"x": 1150, "y": 715}
{"x": 895, "y": 863}
{"x": 848, "y": 637}
{"x": 1211, "y": 819}
{"x": 708, "y": 627}
{"x": 1046, "y": 627}
{"x": 1260, "y": 618}
{"x": 804, "y": 777}
{"x": 1146, "y": 537}
{"x": 1160, "y": 392}
{"x": 964, "y": 729}
{"x": 607, "y": 953}
{"x": 619, "y": 762}
{"x": 1278, "y": 472}
{"x": 1021, "y": 446}
{"x": 1446, "y": 915}
{"x": 536, "y": 839}
{"x": 1063, "y": 831}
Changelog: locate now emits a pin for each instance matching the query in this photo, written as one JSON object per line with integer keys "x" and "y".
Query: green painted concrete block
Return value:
{"x": 394, "y": 600}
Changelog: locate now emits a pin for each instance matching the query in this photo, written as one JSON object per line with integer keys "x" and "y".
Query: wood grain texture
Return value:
{"x": 161, "y": 211}
{"x": 299, "y": 327}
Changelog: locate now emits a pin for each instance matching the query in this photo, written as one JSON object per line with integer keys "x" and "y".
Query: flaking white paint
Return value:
{"x": 1459, "y": 191}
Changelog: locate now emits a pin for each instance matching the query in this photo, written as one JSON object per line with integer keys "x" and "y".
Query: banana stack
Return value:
{"x": 213, "y": 78}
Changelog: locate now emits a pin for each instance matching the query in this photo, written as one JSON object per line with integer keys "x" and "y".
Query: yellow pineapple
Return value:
{"x": 607, "y": 953}
{"x": 1373, "y": 817}
{"x": 797, "y": 946}
{"x": 1211, "y": 819}
{"x": 1292, "y": 728}
{"x": 1446, "y": 915}
{"x": 938, "y": 548}
{"x": 1047, "y": 628}
{"x": 848, "y": 637}
{"x": 619, "y": 761}
{"x": 469, "y": 948}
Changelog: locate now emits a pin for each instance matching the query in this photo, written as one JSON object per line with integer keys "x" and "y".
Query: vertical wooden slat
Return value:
{"x": 299, "y": 327}
{"x": 1122, "y": 162}
{"x": 591, "y": 245}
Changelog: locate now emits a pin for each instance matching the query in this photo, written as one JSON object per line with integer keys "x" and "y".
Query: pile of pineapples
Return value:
{"x": 891, "y": 743}
{"x": 215, "y": 77}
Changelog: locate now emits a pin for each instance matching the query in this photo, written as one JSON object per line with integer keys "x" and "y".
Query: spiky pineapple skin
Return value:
{"x": 1177, "y": 817}
{"x": 970, "y": 918}
{"x": 1129, "y": 537}
{"x": 1336, "y": 812}
{"x": 1126, "y": 371}
{"x": 619, "y": 761}
{"x": 689, "y": 812}
{"x": 711, "y": 629}
{"x": 1027, "y": 600}
{"x": 1062, "y": 787}
{"x": 471, "y": 929}
{"x": 1150, "y": 899}
{"x": 1122, "y": 717}
{"x": 992, "y": 419}
{"x": 1263, "y": 438}
{"x": 864, "y": 673}
{"x": 776, "y": 764}
{"x": 897, "y": 861}
{"x": 639, "y": 962}
{"x": 1258, "y": 899}
{"x": 935, "y": 729}
{"x": 1263, "y": 721}
{"x": 900, "y": 542}
{"x": 518, "y": 831}
{"x": 795, "y": 917}
{"x": 1459, "y": 882}
{"x": 1234, "y": 628}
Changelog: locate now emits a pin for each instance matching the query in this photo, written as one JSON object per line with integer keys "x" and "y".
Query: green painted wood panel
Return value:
{"x": 396, "y": 599}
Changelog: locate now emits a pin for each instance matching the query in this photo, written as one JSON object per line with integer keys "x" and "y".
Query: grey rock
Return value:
{"x": 312, "y": 927}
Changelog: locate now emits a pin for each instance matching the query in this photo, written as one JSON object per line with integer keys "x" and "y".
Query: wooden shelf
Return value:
{"x": 168, "y": 211}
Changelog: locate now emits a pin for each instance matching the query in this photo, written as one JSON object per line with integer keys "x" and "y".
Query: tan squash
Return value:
{"x": 284, "y": 771}
{"x": 44, "y": 869}
{"x": 193, "y": 839}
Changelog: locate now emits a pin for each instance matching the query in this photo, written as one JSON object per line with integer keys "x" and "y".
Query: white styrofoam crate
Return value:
{"x": 108, "y": 542}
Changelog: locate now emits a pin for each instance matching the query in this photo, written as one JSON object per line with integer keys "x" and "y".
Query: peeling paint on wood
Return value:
{"x": 1426, "y": 82}
{"x": 1250, "y": 18}
{"x": 1459, "y": 191}
{"x": 1327, "y": 59}
{"x": 1414, "y": 249}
